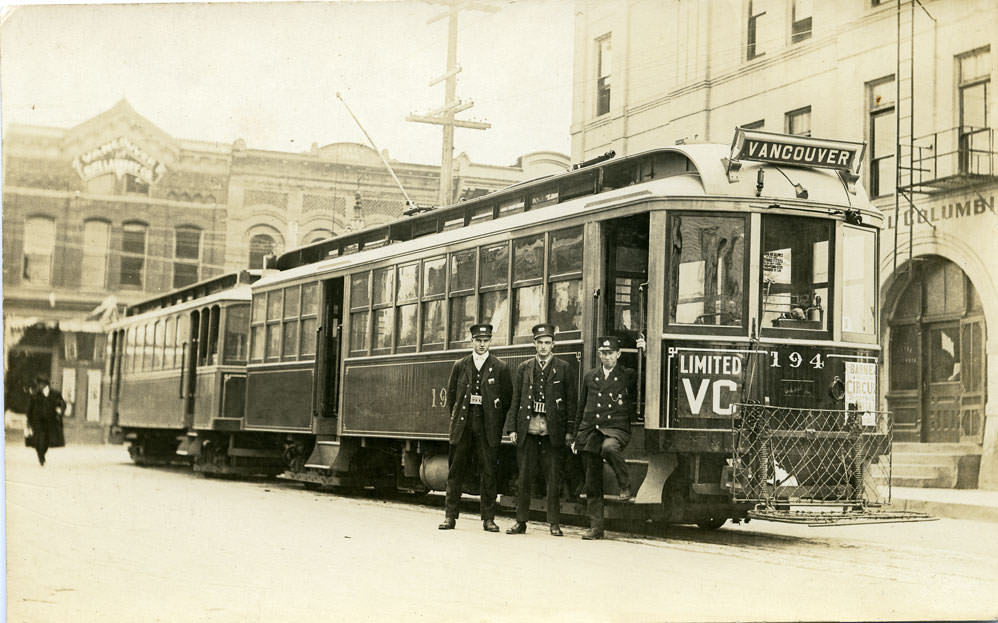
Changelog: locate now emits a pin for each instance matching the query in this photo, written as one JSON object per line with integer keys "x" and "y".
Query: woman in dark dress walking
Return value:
{"x": 45, "y": 418}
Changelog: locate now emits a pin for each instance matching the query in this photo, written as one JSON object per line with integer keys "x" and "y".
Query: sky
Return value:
{"x": 269, "y": 72}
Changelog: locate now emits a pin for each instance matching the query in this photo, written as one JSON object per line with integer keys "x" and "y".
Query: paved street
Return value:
{"x": 90, "y": 537}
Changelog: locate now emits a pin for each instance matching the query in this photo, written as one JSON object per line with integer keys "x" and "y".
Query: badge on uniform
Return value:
{"x": 476, "y": 399}
{"x": 540, "y": 407}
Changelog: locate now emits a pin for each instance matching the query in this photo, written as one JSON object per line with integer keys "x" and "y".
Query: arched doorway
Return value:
{"x": 936, "y": 365}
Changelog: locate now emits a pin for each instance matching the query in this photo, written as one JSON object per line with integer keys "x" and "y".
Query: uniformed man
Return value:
{"x": 541, "y": 422}
{"x": 606, "y": 407}
{"x": 478, "y": 394}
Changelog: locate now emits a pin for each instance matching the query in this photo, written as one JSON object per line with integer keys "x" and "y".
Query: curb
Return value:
{"x": 949, "y": 510}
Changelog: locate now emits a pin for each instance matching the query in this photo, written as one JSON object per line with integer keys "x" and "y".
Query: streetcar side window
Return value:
{"x": 707, "y": 264}
{"x": 796, "y": 263}
{"x": 407, "y": 300}
{"x": 292, "y": 301}
{"x": 462, "y": 296}
{"x": 169, "y": 350}
{"x": 309, "y": 318}
{"x": 275, "y": 303}
{"x": 565, "y": 282}
{"x": 360, "y": 297}
{"x": 492, "y": 288}
{"x": 149, "y": 343}
{"x": 528, "y": 286}
{"x": 383, "y": 312}
{"x": 129, "y": 362}
{"x": 859, "y": 288}
{"x": 160, "y": 345}
{"x": 236, "y": 323}
{"x": 434, "y": 287}
{"x": 258, "y": 327}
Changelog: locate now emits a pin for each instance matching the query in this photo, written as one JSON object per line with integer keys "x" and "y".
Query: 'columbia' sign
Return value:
{"x": 796, "y": 150}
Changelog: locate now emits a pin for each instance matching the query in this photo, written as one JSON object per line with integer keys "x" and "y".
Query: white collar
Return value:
{"x": 607, "y": 373}
{"x": 479, "y": 359}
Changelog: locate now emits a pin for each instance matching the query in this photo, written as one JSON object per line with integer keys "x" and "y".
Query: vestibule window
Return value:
{"x": 707, "y": 270}
{"x": 859, "y": 290}
{"x": 796, "y": 272}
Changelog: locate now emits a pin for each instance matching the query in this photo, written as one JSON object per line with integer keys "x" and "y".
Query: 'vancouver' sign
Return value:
{"x": 796, "y": 150}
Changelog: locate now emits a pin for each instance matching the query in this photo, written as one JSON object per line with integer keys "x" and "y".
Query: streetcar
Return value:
{"x": 750, "y": 270}
{"x": 176, "y": 382}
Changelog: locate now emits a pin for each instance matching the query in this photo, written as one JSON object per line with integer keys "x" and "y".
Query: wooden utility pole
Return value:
{"x": 444, "y": 116}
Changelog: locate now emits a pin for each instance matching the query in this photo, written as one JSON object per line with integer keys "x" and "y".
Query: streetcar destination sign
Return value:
{"x": 796, "y": 150}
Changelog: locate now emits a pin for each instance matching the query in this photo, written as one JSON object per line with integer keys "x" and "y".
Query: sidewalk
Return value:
{"x": 973, "y": 504}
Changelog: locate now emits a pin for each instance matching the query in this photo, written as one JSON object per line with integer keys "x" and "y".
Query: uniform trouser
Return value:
{"x": 597, "y": 448}
{"x": 472, "y": 443}
{"x": 534, "y": 450}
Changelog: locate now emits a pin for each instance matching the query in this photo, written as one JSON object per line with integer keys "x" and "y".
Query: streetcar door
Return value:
{"x": 329, "y": 339}
{"x": 623, "y": 310}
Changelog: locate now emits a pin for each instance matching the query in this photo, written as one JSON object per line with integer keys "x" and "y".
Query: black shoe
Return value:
{"x": 518, "y": 528}
{"x": 448, "y": 524}
{"x": 556, "y": 530}
{"x": 626, "y": 495}
{"x": 489, "y": 526}
{"x": 592, "y": 534}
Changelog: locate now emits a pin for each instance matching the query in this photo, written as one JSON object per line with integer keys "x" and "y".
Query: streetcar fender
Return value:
{"x": 660, "y": 467}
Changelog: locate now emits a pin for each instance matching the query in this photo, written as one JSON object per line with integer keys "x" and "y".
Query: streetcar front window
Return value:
{"x": 796, "y": 272}
{"x": 707, "y": 275}
{"x": 859, "y": 288}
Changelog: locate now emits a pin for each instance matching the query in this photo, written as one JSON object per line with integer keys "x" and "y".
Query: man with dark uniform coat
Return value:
{"x": 606, "y": 407}
{"x": 45, "y": 418}
{"x": 541, "y": 422}
{"x": 478, "y": 394}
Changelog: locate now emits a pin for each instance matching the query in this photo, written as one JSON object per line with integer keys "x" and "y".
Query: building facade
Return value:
{"x": 114, "y": 210}
{"x": 915, "y": 83}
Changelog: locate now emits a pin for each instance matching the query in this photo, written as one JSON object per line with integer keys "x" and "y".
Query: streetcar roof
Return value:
{"x": 826, "y": 191}
{"x": 227, "y": 287}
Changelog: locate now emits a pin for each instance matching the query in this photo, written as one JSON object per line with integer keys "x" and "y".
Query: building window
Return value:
{"x": 39, "y": 248}
{"x": 261, "y": 245}
{"x": 755, "y": 13}
{"x": 96, "y": 238}
{"x": 133, "y": 254}
{"x": 186, "y": 256}
{"x": 800, "y": 25}
{"x": 603, "y": 69}
{"x": 974, "y": 87}
{"x": 882, "y": 141}
{"x": 798, "y": 122}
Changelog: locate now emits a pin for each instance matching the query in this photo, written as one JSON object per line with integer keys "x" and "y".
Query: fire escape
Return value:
{"x": 962, "y": 157}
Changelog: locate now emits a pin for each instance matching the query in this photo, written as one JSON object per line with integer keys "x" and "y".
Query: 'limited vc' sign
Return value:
{"x": 707, "y": 382}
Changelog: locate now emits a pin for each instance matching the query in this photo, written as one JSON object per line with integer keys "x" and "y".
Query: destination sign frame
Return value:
{"x": 803, "y": 151}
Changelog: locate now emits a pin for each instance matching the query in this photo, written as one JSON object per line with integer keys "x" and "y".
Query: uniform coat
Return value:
{"x": 475, "y": 434}
{"x": 45, "y": 419}
{"x": 496, "y": 393}
{"x": 606, "y": 404}
{"x": 560, "y": 395}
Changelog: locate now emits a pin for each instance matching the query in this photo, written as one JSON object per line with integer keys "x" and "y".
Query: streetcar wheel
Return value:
{"x": 711, "y": 522}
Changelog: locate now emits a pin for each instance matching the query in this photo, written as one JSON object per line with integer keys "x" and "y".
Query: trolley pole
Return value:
{"x": 444, "y": 116}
